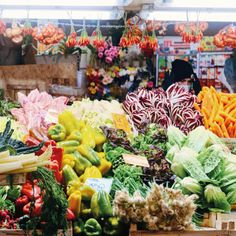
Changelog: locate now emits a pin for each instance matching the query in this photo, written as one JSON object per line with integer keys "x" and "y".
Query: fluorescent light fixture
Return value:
{"x": 61, "y": 14}
{"x": 202, "y": 4}
{"x": 216, "y": 16}
{"x": 64, "y": 3}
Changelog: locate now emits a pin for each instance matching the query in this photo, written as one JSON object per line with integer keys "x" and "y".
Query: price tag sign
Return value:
{"x": 100, "y": 184}
{"x": 121, "y": 122}
{"x": 135, "y": 160}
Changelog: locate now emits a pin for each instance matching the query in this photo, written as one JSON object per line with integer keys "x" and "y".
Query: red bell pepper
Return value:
{"x": 21, "y": 201}
{"x": 54, "y": 166}
{"x": 70, "y": 214}
{"x": 30, "y": 190}
{"x": 37, "y": 207}
{"x": 57, "y": 154}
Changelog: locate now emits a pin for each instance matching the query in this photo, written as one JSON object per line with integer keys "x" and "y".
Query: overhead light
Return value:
{"x": 61, "y": 14}
{"x": 174, "y": 15}
{"x": 204, "y": 3}
{"x": 210, "y": 4}
{"x": 64, "y": 3}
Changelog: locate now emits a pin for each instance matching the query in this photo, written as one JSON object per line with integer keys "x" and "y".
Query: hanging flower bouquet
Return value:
{"x": 84, "y": 40}
{"x": 149, "y": 44}
{"x": 191, "y": 32}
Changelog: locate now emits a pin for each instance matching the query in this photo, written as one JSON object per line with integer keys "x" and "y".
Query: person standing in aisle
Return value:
{"x": 230, "y": 72}
{"x": 183, "y": 74}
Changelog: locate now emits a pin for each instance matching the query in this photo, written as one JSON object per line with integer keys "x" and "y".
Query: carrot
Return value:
{"x": 234, "y": 136}
{"x": 225, "y": 132}
{"x": 232, "y": 106}
{"x": 214, "y": 109}
{"x": 196, "y": 106}
{"x": 231, "y": 130}
{"x": 233, "y": 113}
{"x": 217, "y": 130}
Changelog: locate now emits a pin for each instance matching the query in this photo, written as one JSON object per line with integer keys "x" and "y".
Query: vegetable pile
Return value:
{"x": 38, "y": 110}
{"x": 218, "y": 110}
{"x": 204, "y": 166}
{"x": 150, "y": 144}
{"x": 173, "y": 107}
{"x": 96, "y": 113}
{"x": 154, "y": 210}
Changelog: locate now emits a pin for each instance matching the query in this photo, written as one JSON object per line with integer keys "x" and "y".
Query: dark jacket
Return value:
{"x": 180, "y": 71}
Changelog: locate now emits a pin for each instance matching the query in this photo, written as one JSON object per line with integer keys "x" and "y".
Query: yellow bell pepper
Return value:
{"x": 74, "y": 202}
{"x": 73, "y": 186}
{"x": 68, "y": 159}
{"x": 105, "y": 166}
{"x": 80, "y": 124}
{"x": 88, "y": 136}
{"x": 90, "y": 172}
{"x": 99, "y": 137}
{"x": 68, "y": 120}
{"x": 75, "y": 135}
{"x": 86, "y": 192}
{"x": 101, "y": 155}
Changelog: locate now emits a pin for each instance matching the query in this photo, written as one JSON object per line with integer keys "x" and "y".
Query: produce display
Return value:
{"x": 173, "y": 107}
{"x": 76, "y": 162}
{"x": 218, "y": 111}
{"x": 204, "y": 166}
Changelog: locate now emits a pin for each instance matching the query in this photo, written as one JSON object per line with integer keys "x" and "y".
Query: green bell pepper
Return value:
{"x": 69, "y": 174}
{"x": 81, "y": 163}
{"x": 92, "y": 228}
{"x": 75, "y": 135}
{"x": 101, "y": 205}
{"x": 57, "y": 132}
{"x": 69, "y": 146}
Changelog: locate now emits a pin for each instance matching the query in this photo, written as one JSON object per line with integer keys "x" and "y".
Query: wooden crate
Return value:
{"x": 16, "y": 179}
{"x": 220, "y": 221}
{"x": 200, "y": 232}
{"x": 19, "y": 232}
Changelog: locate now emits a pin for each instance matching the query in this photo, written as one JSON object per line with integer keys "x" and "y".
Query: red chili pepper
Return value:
{"x": 54, "y": 166}
{"x": 30, "y": 141}
{"x": 69, "y": 214}
{"x": 31, "y": 191}
{"x": 57, "y": 154}
{"x": 37, "y": 206}
{"x": 21, "y": 201}
{"x": 50, "y": 142}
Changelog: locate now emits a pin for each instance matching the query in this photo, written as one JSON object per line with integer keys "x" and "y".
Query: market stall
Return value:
{"x": 91, "y": 143}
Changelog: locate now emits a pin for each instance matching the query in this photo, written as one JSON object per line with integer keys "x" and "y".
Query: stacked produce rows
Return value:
{"x": 77, "y": 161}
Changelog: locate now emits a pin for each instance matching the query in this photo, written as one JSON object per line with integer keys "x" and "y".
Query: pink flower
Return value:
{"x": 100, "y": 49}
{"x": 150, "y": 84}
{"x": 108, "y": 60}
{"x": 105, "y": 45}
{"x": 107, "y": 52}
{"x": 100, "y": 54}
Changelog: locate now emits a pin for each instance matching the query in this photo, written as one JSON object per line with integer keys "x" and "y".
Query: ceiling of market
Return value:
{"x": 163, "y": 10}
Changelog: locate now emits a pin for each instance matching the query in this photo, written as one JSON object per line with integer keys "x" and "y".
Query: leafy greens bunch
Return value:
{"x": 204, "y": 166}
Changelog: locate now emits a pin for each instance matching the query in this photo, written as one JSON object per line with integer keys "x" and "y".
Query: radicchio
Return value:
{"x": 173, "y": 107}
